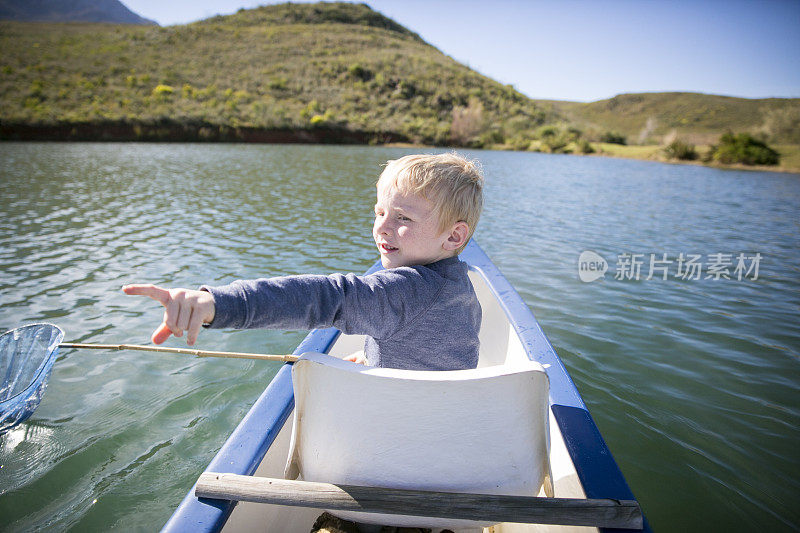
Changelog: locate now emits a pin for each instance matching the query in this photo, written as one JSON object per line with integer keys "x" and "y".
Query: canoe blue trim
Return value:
{"x": 597, "y": 470}
{"x": 249, "y": 442}
{"x": 245, "y": 448}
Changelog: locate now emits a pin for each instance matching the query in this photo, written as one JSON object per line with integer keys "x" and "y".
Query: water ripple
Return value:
{"x": 694, "y": 384}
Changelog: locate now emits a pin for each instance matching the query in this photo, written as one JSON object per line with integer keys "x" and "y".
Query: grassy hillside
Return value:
{"x": 311, "y": 71}
{"x": 651, "y": 118}
{"x": 327, "y": 72}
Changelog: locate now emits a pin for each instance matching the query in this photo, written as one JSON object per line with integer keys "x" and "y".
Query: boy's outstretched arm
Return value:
{"x": 184, "y": 310}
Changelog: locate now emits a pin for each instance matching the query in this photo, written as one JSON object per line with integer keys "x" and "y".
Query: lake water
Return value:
{"x": 694, "y": 383}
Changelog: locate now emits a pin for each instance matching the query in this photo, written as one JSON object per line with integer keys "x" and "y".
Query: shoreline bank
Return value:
{"x": 173, "y": 131}
{"x": 654, "y": 153}
{"x": 170, "y": 131}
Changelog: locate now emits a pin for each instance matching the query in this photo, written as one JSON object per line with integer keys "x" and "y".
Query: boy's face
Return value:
{"x": 406, "y": 229}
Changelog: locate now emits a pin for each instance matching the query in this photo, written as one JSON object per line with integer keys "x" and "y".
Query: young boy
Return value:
{"x": 420, "y": 313}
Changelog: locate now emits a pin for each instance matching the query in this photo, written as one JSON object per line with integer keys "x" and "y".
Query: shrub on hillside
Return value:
{"x": 468, "y": 122}
{"x": 613, "y": 137}
{"x": 680, "y": 150}
{"x": 558, "y": 139}
{"x": 360, "y": 72}
{"x": 163, "y": 90}
{"x": 546, "y": 131}
{"x": 584, "y": 147}
{"x": 743, "y": 148}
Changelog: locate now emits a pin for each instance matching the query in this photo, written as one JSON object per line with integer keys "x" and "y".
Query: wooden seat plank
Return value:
{"x": 624, "y": 514}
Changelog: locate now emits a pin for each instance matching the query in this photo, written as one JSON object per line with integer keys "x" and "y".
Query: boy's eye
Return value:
{"x": 403, "y": 217}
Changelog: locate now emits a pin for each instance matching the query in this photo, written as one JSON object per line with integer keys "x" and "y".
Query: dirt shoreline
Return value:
{"x": 753, "y": 168}
{"x": 169, "y": 131}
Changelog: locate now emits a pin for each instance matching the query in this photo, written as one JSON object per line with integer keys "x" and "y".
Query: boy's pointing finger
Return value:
{"x": 152, "y": 291}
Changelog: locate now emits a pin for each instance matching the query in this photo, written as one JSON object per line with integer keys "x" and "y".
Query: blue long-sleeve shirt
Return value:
{"x": 418, "y": 317}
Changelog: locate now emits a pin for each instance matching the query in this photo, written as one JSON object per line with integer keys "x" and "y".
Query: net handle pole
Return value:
{"x": 187, "y": 351}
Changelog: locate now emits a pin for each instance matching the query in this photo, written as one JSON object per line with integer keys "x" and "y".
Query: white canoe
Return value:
{"x": 493, "y": 430}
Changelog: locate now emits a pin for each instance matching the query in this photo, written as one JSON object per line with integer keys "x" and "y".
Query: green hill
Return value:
{"x": 326, "y": 72}
{"x": 646, "y": 118}
{"x": 334, "y": 72}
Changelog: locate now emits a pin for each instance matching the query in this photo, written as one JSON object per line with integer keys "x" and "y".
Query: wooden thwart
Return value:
{"x": 481, "y": 507}
{"x": 188, "y": 351}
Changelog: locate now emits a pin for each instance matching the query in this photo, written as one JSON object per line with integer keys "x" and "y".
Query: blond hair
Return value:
{"x": 453, "y": 184}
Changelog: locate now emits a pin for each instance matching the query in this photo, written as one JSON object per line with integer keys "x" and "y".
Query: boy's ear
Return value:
{"x": 458, "y": 236}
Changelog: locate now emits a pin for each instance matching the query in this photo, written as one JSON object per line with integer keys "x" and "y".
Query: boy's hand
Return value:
{"x": 184, "y": 310}
{"x": 357, "y": 357}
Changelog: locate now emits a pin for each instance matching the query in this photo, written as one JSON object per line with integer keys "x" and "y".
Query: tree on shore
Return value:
{"x": 742, "y": 148}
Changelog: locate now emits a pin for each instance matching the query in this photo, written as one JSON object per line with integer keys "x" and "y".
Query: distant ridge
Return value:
{"x": 697, "y": 117}
{"x": 110, "y": 11}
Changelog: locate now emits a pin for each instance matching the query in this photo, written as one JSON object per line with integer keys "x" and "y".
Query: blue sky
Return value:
{"x": 590, "y": 50}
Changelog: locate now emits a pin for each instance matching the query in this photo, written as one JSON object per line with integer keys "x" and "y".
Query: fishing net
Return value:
{"x": 26, "y": 358}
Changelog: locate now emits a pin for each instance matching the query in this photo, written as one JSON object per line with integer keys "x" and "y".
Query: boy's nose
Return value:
{"x": 382, "y": 226}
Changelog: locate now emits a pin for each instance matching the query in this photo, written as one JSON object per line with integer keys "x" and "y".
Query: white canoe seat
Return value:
{"x": 481, "y": 431}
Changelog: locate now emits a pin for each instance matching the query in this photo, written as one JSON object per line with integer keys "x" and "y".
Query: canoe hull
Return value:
{"x": 582, "y": 465}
